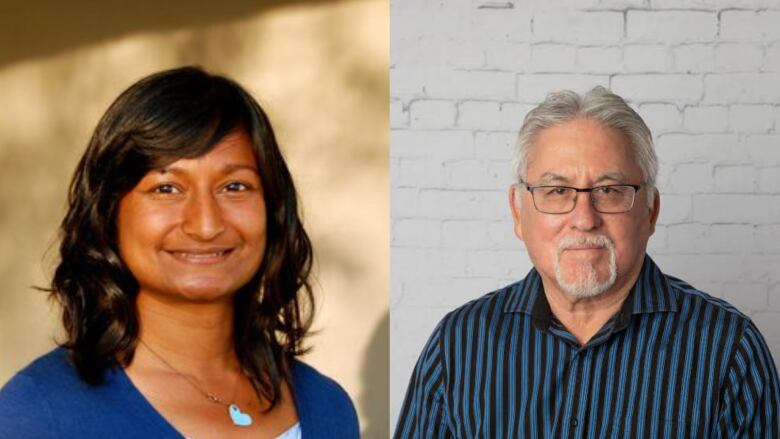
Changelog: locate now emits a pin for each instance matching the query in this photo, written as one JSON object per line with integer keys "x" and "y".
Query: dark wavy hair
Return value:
{"x": 170, "y": 115}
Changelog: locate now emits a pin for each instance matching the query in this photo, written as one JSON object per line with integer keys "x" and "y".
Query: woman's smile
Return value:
{"x": 201, "y": 256}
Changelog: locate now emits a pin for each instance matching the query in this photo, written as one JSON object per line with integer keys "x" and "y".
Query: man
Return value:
{"x": 596, "y": 341}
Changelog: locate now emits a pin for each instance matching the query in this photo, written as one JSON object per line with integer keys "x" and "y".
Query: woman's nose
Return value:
{"x": 203, "y": 217}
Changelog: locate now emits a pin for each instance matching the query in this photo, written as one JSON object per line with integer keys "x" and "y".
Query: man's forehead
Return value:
{"x": 581, "y": 148}
{"x": 563, "y": 177}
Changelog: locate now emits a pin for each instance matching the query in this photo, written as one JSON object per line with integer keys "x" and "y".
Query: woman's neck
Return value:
{"x": 195, "y": 337}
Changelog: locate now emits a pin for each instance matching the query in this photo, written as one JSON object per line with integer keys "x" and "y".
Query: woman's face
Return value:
{"x": 196, "y": 229}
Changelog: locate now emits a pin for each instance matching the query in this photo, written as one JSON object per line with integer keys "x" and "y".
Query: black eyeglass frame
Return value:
{"x": 577, "y": 190}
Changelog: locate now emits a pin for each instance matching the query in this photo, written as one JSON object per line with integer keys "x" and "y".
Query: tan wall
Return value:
{"x": 319, "y": 68}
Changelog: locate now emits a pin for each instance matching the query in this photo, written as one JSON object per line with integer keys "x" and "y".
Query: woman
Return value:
{"x": 183, "y": 280}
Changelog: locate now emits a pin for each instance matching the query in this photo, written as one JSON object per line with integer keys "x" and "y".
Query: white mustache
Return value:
{"x": 592, "y": 240}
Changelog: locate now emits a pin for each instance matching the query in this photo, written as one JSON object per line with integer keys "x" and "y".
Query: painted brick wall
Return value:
{"x": 705, "y": 75}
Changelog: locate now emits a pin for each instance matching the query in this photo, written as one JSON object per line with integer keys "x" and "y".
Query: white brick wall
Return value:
{"x": 587, "y": 28}
{"x": 705, "y": 75}
{"x": 676, "y": 26}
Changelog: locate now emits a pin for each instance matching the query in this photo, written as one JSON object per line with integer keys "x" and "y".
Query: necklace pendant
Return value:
{"x": 239, "y": 418}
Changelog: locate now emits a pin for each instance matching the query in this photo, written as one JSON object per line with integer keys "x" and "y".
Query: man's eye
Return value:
{"x": 556, "y": 191}
{"x": 610, "y": 190}
{"x": 165, "y": 189}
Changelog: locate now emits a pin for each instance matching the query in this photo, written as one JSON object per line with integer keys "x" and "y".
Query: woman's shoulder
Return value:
{"x": 46, "y": 376}
{"x": 27, "y": 401}
{"x": 48, "y": 399}
{"x": 323, "y": 405}
{"x": 53, "y": 365}
{"x": 53, "y": 377}
{"x": 315, "y": 382}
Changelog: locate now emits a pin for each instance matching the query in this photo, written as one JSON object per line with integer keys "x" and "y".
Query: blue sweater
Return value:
{"x": 48, "y": 400}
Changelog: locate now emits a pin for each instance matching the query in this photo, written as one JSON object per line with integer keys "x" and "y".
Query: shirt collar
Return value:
{"x": 650, "y": 293}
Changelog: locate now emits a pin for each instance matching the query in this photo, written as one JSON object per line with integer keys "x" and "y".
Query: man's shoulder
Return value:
{"x": 690, "y": 297}
{"x": 490, "y": 306}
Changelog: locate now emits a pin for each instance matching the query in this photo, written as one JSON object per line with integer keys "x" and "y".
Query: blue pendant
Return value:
{"x": 240, "y": 419}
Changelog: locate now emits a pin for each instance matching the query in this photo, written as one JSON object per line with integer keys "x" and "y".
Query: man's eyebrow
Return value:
{"x": 613, "y": 176}
{"x": 551, "y": 177}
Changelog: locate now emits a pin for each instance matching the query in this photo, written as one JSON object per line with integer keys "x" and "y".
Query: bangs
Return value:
{"x": 183, "y": 127}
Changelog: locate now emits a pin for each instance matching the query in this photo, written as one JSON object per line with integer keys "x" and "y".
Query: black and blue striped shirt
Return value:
{"x": 673, "y": 362}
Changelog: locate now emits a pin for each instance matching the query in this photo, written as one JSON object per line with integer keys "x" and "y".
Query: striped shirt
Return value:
{"x": 672, "y": 362}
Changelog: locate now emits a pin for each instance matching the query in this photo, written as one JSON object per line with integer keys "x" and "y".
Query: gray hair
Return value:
{"x": 600, "y": 105}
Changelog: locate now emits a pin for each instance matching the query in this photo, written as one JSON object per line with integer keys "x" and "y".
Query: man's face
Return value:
{"x": 583, "y": 253}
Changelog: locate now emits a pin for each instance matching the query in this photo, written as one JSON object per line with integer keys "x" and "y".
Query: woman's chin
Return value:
{"x": 201, "y": 292}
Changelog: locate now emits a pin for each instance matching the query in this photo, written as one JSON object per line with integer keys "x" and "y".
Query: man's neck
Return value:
{"x": 196, "y": 338}
{"x": 583, "y": 317}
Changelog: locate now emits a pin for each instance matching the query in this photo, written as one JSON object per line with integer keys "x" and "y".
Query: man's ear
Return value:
{"x": 655, "y": 210}
{"x": 514, "y": 205}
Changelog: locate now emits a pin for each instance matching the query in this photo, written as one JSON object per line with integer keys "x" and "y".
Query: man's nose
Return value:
{"x": 203, "y": 217}
{"x": 584, "y": 216}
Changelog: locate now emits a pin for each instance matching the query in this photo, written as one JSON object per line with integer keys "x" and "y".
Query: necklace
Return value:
{"x": 239, "y": 418}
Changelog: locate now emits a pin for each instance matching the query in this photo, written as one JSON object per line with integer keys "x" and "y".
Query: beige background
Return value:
{"x": 319, "y": 68}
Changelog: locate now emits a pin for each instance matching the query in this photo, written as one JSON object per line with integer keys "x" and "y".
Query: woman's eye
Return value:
{"x": 236, "y": 186}
{"x": 165, "y": 189}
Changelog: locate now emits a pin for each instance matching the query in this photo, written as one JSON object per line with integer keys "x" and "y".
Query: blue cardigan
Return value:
{"x": 48, "y": 400}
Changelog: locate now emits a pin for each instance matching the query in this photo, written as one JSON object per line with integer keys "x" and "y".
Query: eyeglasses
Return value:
{"x": 612, "y": 198}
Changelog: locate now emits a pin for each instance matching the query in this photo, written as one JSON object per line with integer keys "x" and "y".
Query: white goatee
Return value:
{"x": 587, "y": 284}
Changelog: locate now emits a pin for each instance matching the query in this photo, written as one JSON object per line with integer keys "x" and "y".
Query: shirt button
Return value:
{"x": 573, "y": 422}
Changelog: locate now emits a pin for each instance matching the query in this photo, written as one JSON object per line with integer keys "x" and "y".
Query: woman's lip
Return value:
{"x": 200, "y": 257}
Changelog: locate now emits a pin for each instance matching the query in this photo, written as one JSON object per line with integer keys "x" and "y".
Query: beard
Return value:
{"x": 586, "y": 283}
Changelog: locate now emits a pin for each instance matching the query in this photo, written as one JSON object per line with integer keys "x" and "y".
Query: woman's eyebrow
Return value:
{"x": 227, "y": 168}
{"x": 233, "y": 167}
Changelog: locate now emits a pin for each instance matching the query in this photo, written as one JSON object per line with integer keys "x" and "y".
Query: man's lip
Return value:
{"x": 588, "y": 247}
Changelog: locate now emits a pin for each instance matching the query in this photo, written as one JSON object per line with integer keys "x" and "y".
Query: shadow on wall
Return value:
{"x": 47, "y": 27}
{"x": 376, "y": 382}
